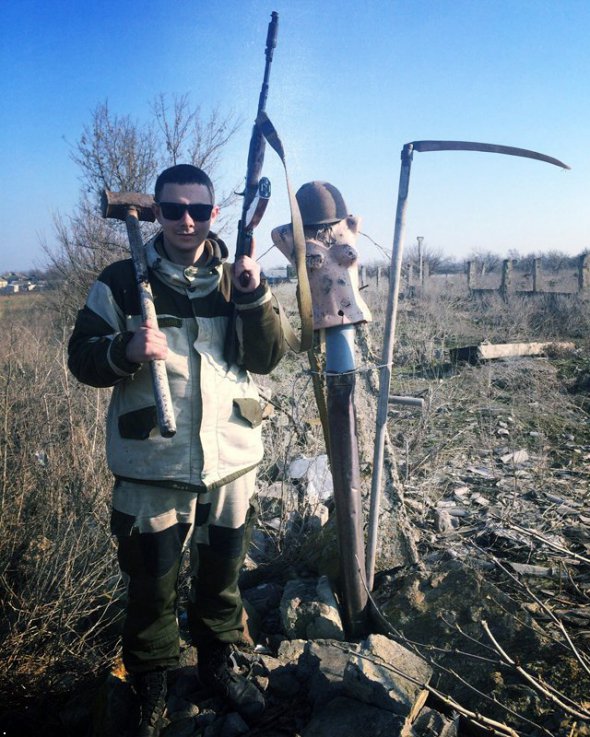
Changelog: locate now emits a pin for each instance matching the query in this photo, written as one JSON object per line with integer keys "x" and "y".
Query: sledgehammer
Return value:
{"x": 133, "y": 207}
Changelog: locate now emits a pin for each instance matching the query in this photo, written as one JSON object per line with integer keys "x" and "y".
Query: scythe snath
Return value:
{"x": 391, "y": 312}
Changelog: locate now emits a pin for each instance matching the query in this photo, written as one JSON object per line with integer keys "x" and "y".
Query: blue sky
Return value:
{"x": 351, "y": 83}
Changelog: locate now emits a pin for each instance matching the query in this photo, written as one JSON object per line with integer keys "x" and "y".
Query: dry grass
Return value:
{"x": 58, "y": 577}
{"x": 56, "y": 563}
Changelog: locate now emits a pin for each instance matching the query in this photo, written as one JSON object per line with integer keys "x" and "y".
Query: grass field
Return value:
{"x": 58, "y": 578}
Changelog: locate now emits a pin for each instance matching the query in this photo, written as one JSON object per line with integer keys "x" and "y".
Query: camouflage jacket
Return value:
{"x": 215, "y": 400}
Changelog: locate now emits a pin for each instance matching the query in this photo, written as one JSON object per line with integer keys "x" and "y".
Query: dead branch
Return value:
{"x": 577, "y": 710}
{"x": 549, "y": 543}
{"x": 477, "y": 719}
{"x": 579, "y": 657}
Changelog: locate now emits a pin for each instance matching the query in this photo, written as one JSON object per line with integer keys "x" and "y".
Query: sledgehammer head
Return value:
{"x": 119, "y": 205}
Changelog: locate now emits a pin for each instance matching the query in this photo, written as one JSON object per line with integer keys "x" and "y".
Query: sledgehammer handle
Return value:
{"x": 165, "y": 413}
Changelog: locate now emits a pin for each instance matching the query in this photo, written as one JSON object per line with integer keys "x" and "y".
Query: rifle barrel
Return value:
{"x": 257, "y": 147}
{"x": 271, "y": 42}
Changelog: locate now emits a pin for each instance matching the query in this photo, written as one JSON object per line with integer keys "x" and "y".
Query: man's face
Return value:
{"x": 184, "y": 236}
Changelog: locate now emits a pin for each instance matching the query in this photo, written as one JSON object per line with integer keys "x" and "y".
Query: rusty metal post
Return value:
{"x": 344, "y": 463}
{"x": 332, "y": 264}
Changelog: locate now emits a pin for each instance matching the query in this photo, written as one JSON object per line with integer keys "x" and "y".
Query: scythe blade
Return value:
{"x": 491, "y": 148}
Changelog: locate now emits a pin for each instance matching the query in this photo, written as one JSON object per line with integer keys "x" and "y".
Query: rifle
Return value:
{"x": 257, "y": 190}
{"x": 256, "y": 196}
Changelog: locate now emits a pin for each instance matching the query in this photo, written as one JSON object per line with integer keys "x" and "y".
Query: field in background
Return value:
{"x": 58, "y": 578}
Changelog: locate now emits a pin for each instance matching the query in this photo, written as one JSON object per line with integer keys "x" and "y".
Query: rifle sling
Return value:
{"x": 304, "y": 342}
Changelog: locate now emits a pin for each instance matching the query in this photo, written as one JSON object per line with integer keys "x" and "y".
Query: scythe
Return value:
{"x": 391, "y": 311}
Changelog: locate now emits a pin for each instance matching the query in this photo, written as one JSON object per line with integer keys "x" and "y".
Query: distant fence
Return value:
{"x": 513, "y": 280}
{"x": 510, "y": 279}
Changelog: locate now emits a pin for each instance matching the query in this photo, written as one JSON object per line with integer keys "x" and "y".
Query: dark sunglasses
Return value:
{"x": 176, "y": 210}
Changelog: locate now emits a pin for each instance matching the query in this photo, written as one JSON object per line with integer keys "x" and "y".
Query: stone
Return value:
{"x": 323, "y": 665}
{"x": 349, "y": 718}
{"x": 179, "y": 708}
{"x": 315, "y": 477}
{"x": 283, "y": 682}
{"x": 264, "y": 597}
{"x": 387, "y": 675}
{"x": 309, "y": 610}
{"x": 431, "y": 722}
{"x": 444, "y": 521}
{"x": 233, "y": 725}
{"x": 516, "y": 458}
{"x": 180, "y": 728}
{"x": 291, "y": 650}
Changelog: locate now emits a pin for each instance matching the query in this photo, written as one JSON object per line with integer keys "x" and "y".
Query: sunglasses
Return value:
{"x": 175, "y": 210}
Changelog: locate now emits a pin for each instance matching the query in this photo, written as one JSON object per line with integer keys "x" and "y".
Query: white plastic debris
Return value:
{"x": 315, "y": 476}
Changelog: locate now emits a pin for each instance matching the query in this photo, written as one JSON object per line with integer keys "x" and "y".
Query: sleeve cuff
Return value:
{"x": 116, "y": 355}
{"x": 250, "y": 300}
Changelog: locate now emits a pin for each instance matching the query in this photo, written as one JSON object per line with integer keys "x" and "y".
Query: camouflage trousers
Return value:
{"x": 154, "y": 526}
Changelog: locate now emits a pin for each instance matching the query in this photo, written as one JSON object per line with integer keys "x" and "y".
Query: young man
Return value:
{"x": 196, "y": 488}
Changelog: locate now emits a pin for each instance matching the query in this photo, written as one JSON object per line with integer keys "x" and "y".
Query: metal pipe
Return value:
{"x": 408, "y": 401}
{"x": 340, "y": 349}
{"x": 385, "y": 373}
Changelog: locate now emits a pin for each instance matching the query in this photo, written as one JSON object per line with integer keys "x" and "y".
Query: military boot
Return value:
{"x": 150, "y": 688}
{"x": 218, "y": 671}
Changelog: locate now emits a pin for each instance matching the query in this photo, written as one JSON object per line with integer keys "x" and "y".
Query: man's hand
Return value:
{"x": 148, "y": 344}
{"x": 246, "y": 274}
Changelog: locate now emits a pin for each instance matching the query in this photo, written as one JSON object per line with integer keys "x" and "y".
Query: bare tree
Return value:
{"x": 174, "y": 124}
{"x": 210, "y": 137}
{"x": 190, "y": 137}
{"x": 430, "y": 255}
{"x": 557, "y": 260}
{"x": 117, "y": 153}
{"x": 114, "y": 152}
{"x": 486, "y": 260}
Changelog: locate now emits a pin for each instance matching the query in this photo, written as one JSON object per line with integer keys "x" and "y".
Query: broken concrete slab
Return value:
{"x": 387, "y": 675}
{"x": 309, "y": 610}
{"x": 325, "y": 662}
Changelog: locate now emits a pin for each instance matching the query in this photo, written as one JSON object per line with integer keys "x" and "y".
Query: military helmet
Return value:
{"x": 320, "y": 204}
